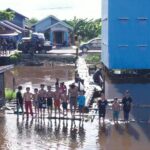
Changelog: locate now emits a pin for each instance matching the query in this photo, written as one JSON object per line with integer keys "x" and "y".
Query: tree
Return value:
{"x": 6, "y": 15}
{"x": 86, "y": 28}
{"x": 33, "y": 21}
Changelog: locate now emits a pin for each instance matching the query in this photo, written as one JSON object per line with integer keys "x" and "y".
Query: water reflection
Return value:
{"x": 81, "y": 133}
{"x": 56, "y": 132}
{"x": 102, "y": 135}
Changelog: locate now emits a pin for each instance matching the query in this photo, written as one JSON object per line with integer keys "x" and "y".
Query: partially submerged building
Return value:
{"x": 2, "y": 83}
{"x": 126, "y": 34}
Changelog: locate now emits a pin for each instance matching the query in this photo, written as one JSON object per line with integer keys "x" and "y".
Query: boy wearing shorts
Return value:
{"x": 57, "y": 97}
{"x": 116, "y": 110}
{"x": 28, "y": 104}
{"x": 64, "y": 99}
{"x": 49, "y": 96}
{"x": 19, "y": 101}
{"x": 102, "y": 103}
{"x": 42, "y": 100}
{"x": 81, "y": 103}
{"x": 35, "y": 101}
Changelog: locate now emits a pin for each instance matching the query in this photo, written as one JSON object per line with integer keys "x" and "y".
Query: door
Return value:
{"x": 58, "y": 38}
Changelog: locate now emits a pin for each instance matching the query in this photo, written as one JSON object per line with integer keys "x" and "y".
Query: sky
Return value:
{"x": 62, "y": 9}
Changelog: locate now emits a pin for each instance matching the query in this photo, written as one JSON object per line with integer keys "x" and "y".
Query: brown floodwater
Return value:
{"x": 45, "y": 134}
{"x": 34, "y": 76}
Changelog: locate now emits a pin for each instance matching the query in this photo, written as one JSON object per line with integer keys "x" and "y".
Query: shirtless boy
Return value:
{"x": 42, "y": 100}
{"x": 35, "y": 101}
{"x": 49, "y": 96}
{"x": 28, "y": 104}
{"x": 57, "y": 97}
{"x": 64, "y": 100}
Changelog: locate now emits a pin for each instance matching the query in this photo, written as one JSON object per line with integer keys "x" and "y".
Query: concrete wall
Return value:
{"x": 128, "y": 32}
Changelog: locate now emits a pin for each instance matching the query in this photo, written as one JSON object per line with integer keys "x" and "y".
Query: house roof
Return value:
{"x": 50, "y": 16}
{"x": 9, "y": 9}
{"x": 9, "y": 34}
{"x": 62, "y": 23}
{"x": 9, "y": 27}
{"x": 14, "y": 25}
{"x": 5, "y": 68}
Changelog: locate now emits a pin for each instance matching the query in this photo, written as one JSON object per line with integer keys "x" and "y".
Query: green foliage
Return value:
{"x": 6, "y": 15}
{"x": 87, "y": 29}
{"x": 93, "y": 58}
{"x": 16, "y": 57}
{"x": 32, "y": 21}
{"x": 10, "y": 94}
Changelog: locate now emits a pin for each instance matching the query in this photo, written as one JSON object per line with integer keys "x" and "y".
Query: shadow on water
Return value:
{"x": 141, "y": 96}
{"x": 128, "y": 129}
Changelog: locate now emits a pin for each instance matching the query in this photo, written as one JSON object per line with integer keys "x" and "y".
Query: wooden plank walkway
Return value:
{"x": 89, "y": 85}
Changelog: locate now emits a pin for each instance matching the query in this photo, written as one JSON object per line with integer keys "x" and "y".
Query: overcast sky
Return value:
{"x": 63, "y": 9}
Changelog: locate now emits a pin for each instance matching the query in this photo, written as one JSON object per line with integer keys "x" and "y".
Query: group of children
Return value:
{"x": 47, "y": 99}
{"x": 116, "y": 107}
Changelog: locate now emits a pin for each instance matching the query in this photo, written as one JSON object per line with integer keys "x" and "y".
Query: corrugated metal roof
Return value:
{"x": 9, "y": 27}
{"x": 14, "y": 25}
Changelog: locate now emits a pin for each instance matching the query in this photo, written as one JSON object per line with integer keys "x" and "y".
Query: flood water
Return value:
{"x": 45, "y": 134}
{"x": 34, "y": 76}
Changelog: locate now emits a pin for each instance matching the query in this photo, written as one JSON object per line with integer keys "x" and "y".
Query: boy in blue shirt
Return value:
{"x": 81, "y": 103}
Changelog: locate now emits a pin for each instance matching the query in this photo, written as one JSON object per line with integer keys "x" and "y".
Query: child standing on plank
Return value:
{"x": 19, "y": 100}
{"x": 35, "y": 101}
{"x": 102, "y": 103}
{"x": 64, "y": 100}
{"x": 81, "y": 103}
{"x": 127, "y": 105}
{"x": 73, "y": 94}
{"x": 49, "y": 96}
{"x": 116, "y": 110}
{"x": 27, "y": 99}
{"x": 42, "y": 100}
{"x": 57, "y": 97}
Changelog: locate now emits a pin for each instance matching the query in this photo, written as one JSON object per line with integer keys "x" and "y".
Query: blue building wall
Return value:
{"x": 19, "y": 20}
{"x": 42, "y": 25}
{"x": 127, "y": 31}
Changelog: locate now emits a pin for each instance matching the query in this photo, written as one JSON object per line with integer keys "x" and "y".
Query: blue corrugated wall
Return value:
{"x": 126, "y": 34}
